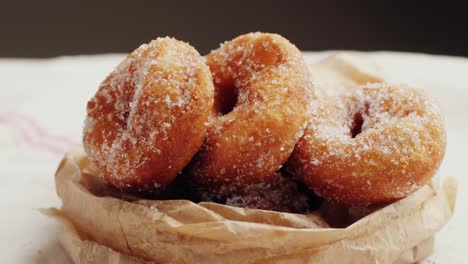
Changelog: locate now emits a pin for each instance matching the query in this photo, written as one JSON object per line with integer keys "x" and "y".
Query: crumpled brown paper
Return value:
{"x": 103, "y": 229}
{"x": 342, "y": 71}
{"x": 111, "y": 230}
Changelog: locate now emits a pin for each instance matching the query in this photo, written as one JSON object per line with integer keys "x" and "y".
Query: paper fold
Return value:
{"x": 179, "y": 231}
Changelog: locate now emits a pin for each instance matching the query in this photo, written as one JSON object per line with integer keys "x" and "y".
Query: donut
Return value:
{"x": 149, "y": 116}
{"x": 262, "y": 93}
{"x": 374, "y": 144}
{"x": 281, "y": 194}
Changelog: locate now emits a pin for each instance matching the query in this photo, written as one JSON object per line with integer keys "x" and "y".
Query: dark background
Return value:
{"x": 60, "y": 27}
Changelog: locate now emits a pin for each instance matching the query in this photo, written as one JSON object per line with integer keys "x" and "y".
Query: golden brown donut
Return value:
{"x": 262, "y": 93}
{"x": 149, "y": 116}
{"x": 375, "y": 144}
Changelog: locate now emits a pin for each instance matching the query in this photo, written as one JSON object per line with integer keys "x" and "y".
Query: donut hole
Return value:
{"x": 356, "y": 126}
{"x": 358, "y": 120}
{"x": 226, "y": 98}
{"x": 125, "y": 117}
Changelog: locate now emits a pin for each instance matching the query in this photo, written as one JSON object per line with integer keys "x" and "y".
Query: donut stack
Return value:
{"x": 242, "y": 125}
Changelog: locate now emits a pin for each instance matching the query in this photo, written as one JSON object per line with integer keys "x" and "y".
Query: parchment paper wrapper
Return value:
{"x": 342, "y": 71}
{"x": 111, "y": 230}
{"x": 103, "y": 229}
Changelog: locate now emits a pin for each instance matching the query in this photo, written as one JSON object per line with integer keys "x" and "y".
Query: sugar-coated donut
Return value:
{"x": 280, "y": 194}
{"x": 375, "y": 144}
{"x": 149, "y": 116}
{"x": 262, "y": 93}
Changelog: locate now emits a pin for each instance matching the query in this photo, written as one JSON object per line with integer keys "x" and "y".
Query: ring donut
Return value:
{"x": 375, "y": 144}
{"x": 262, "y": 93}
{"x": 149, "y": 116}
{"x": 281, "y": 194}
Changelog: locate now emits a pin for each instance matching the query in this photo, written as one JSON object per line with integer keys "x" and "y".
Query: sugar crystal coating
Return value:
{"x": 149, "y": 116}
{"x": 374, "y": 144}
{"x": 262, "y": 95}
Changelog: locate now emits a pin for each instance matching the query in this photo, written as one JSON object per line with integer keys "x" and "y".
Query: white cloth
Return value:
{"x": 42, "y": 108}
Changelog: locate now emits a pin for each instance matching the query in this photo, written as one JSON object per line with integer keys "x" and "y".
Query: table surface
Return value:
{"x": 42, "y": 108}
